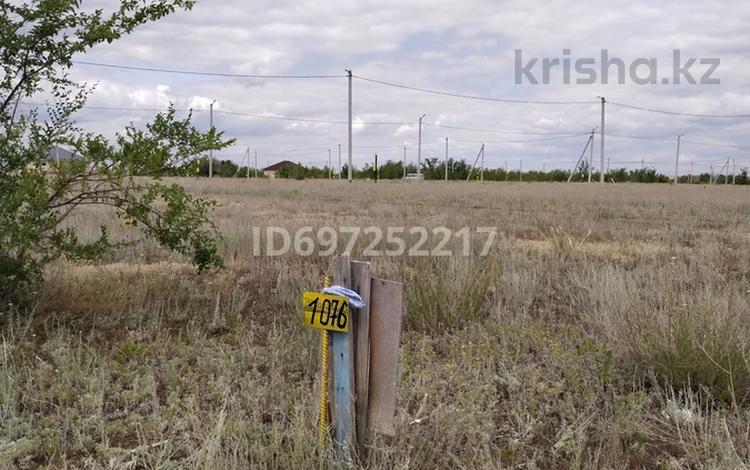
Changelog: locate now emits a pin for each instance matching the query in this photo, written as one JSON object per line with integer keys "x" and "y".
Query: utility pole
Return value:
{"x": 446, "y": 159}
{"x": 404, "y": 165}
{"x": 677, "y": 159}
{"x": 339, "y": 161}
{"x": 601, "y": 176}
{"x": 330, "y": 167}
{"x": 726, "y": 173}
{"x": 733, "y": 172}
{"x": 211, "y": 150}
{"x": 481, "y": 173}
{"x": 505, "y": 167}
{"x": 574, "y": 171}
{"x": 256, "y": 163}
{"x": 376, "y": 167}
{"x": 247, "y": 171}
{"x": 349, "y": 167}
{"x": 591, "y": 153}
{"x": 419, "y": 148}
{"x": 690, "y": 177}
{"x": 520, "y": 170}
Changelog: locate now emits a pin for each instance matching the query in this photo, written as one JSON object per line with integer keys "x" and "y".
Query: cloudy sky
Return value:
{"x": 460, "y": 47}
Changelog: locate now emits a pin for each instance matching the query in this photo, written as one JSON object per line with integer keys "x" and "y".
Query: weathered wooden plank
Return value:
{"x": 342, "y": 345}
{"x": 386, "y": 303}
{"x": 361, "y": 285}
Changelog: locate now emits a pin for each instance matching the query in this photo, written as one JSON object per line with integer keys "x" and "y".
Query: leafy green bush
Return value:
{"x": 37, "y": 194}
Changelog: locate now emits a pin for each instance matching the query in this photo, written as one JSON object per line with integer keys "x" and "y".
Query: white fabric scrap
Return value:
{"x": 354, "y": 299}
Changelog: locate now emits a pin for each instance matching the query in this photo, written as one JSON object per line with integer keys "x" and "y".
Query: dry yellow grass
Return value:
{"x": 607, "y": 327}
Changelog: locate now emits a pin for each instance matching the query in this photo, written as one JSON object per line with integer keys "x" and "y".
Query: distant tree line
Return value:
{"x": 434, "y": 169}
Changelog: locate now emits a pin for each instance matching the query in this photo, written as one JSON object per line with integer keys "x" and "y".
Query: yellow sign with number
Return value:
{"x": 325, "y": 311}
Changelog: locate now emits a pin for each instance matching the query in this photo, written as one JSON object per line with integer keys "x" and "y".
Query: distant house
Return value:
{"x": 278, "y": 169}
{"x": 59, "y": 154}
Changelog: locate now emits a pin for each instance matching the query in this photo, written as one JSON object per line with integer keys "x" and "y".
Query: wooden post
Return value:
{"x": 361, "y": 285}
{"x": 385, "y": 334}
{"x": 342, "y": 345}
{"x": 364, "y": 360}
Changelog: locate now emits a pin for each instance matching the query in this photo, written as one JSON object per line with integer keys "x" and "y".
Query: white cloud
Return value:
{"x": 157, "y": 97}
{"x": 201, "y": 102}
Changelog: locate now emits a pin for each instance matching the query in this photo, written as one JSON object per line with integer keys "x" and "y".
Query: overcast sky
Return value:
{"x": 462, "y": 47}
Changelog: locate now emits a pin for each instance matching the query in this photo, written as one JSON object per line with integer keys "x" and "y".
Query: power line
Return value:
{"x": 395, "y": 147}
{"x": 707, "y": 144}
{"x": 267, "y": 151}
{"x": 639, "y": 137}
{"x": 469, "y": 97}
{"x": 547, "y": 139}
{"x": 671, "y": 138}
{"x": 556, "y": 135}
{"x": 399, "y": 85}
{"x": 200, "y": 73}
{"x": 677, "y": 113}
{"x": 279, "y": 118}
{"x": 216, "y": 111}
{"x": 498, "y": 131}
{"x": 311, "y": 120}
{"x": 272, "y": 76}
{"x": 705, "y": 163}
{"x": 287, "y": 118}
{"x": 232, "y": 113}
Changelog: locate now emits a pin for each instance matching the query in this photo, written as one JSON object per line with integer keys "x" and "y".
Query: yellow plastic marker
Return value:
{"x": 325, "y": 311}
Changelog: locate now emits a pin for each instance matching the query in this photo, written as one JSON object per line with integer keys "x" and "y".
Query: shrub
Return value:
{"x": 446, "y": 293}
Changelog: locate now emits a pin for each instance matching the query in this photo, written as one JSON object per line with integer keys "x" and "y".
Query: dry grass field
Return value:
{"x": 608, "y": 327}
